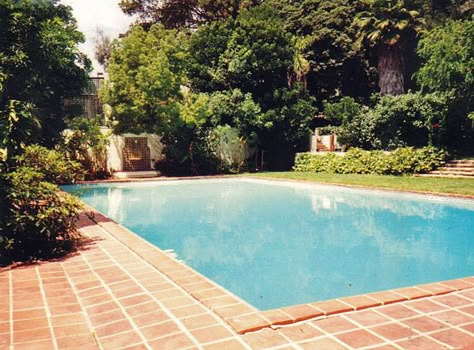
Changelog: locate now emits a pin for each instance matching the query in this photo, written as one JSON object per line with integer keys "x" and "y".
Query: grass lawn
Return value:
{"x": 457, "y": 186}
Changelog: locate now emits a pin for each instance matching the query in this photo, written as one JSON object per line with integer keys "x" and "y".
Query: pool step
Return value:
{"x": 136, "y": 174}
{"x": 454, "y": 168}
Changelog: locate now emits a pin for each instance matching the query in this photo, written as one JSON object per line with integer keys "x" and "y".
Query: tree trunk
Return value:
{"x": 390, "y": 67}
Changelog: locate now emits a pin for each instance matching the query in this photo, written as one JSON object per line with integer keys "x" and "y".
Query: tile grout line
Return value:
{"x": 421, "y": 333}
{"x": 48, "y": 311}
{"x": 83, "y": 309}
{"x": 165, "y": 309}
{"x": 121, "y": 307}
{"x": 168, "y": 311}
{"x": 10, "y": 309}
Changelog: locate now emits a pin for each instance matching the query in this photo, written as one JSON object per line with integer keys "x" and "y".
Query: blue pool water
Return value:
{"x": 278, "y": 244}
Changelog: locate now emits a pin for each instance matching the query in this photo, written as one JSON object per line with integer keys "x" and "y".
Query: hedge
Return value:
{"x": 406, "y": 160}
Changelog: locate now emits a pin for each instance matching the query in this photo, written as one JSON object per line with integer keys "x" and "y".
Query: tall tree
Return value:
{"x": 103, "y": 48}
{"x": 40, "y": 63}
{"x": 448, "y": 55}
{"x": 386, "y": 26}
{"x": 184, "y": 13}
{"x": 324, "y": 28}
{"x": 146, "y": 71}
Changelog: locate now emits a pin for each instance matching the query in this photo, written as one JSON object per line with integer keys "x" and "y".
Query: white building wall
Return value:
{"x": 117, "y": 143}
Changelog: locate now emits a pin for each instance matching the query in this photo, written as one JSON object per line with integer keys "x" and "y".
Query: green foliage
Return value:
{"x": 40, "y": 63}
{"x": 40, "y": 221}
{"x": 146, "y": 70}
{"x": 184, "y": 13}
{"x": 236, "y": 109}
{"x": 324, "y": 26}
{"x": 387, "y": 28}
{"x": 448, "y": 52}
{"x": 412, "y": 119}
{"x": 84, "y": 142}
{"x": 342, "y": 111}
{"x": 401, "y": 161}
{"x": 18, "y": 127}
{"x": 51, "y": 164}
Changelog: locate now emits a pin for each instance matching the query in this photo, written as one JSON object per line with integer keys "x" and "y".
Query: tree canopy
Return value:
{"x": 40, "y": 63}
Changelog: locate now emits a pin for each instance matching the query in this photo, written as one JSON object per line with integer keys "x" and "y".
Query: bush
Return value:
{"x": 412, "y": 119}
{"x": 39, "y": 221}
{"x": 407, "y": 160}
{"x": 52, "y": 164}
{"x": 84, "y": 142}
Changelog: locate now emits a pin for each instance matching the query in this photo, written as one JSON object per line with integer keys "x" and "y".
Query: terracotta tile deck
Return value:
{"x": 119, "y": 292}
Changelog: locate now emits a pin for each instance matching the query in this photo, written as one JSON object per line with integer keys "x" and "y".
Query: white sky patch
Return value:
{"x": 98, "y": 14}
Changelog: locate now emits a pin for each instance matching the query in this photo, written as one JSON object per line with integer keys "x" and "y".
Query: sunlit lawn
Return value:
{"x": 459, "y": 186}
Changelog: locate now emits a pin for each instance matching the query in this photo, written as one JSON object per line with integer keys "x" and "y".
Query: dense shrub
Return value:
{"x": 51, "y": 164}
{"x": 84, "y": 142}
{"x": 39, "y": 221}
{"x": 405, "y": 160}
{"x": 411, "y": 119}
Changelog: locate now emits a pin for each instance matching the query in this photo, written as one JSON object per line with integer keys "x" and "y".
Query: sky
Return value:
{"x": 98, "y": 14}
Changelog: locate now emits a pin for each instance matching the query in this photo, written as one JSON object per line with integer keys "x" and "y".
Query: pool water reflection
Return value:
{"x": 277, "y": 244}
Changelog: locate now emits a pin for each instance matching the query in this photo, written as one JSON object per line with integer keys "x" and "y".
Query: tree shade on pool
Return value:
{"x": 279, "y": 243}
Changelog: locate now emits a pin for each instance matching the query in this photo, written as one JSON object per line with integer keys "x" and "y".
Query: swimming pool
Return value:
{"x": 279, "y": 243}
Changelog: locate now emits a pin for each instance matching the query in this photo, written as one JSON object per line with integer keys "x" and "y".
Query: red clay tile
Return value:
{"x": 208, "y": 293}
{"x": 231, "y": 344}
{"x": 426, "y": 306}
{"x": 302, "y": 312}
{"x": 172, "y": 342}
{"x": 263, "y": 339}
{"x": 178, "y": 302}
{"x": 248, "y": 323}
{"x": 323, "y": 344}
{"x": 367, "y": 317}
{"x": 452, "y": 300}
{"x": 424, "y": 324}
{"x": 454, "y": 338}
{"x": 469, "y": 327}
{"x": 359, "y": 302}
{"x": 209, "y": 334}
{"x": 420, "y": 343}
{"x": 100, "y": 308}
{"x": 334, "y": 324}
{"x": 135, "y": 300}
{"x": 32, "y": 323}
{"x": 331, "y": 307}
{"x": 160, "y": 330}
{"x": 387, "y": 297}
{"x": 277, "y": 317}
{"x": 36, "y": 345}
{"x": 393, "y": 331}
{"x": 120, "y": 340}
{"x": 136, "y": 347}
{"x": 199, "y": 321}
{"x": 457, "y": 284}
{"x": 234, "y": 310}
{"x": 96, "y": 299}
{"x": 115, "y": 327}
{"x": 436, "y": 288}
{"x": 28, "y": 314}
{"x": 150, "y": 318}
{"x": 140, "y": 309}
{"x": 412, "y": 292}
{"x": 467, "y": 293}
{"x": 31, "y": 335}
{"x": 129, "y": 290}
{"x": 300, "y": 332}
{"x": 64, "y": 309}
{"x": 452, "y": 317}
{"x": 397, "y": 311}
{"x": 359, "y": 338}
{"x": 173, "y": 292}
{"x": 107, "y": 317}
{"x": 77, "y": 329}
